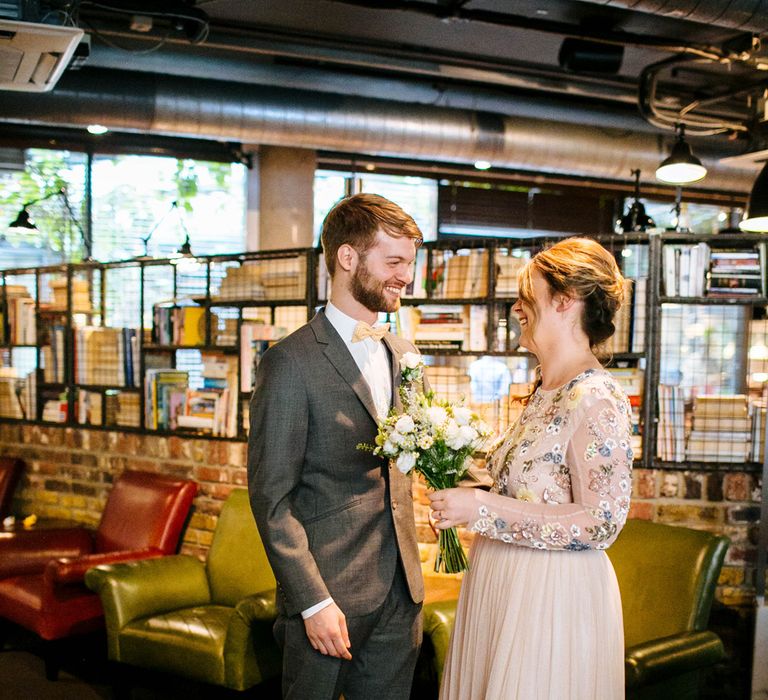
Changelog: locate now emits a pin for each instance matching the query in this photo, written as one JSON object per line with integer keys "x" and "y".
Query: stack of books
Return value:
{"x": 757, "y": 412}
{"x": 721, "y": 429}
{"x": 440, "y": 327}
{"x": 165, "y": 392}
{"x": 465, "y": 275}
{"x": 631, "y": 381}
{"x": 21, "y": 315}
{"x": 670, "y": 438}
{"x": 81, "y": 295}
{"x": 685, "y": 268}
{"x": 620, "y": 340}
{"x": 507, "y": 267}
{"x": 106, "y": 356}
{"x": 735, "y": 273}
{"x": 128, "y": 409}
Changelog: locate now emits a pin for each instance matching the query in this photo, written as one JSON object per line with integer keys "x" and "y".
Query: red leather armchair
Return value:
{"x": 41, "y": 571}
{"x": 10, "y": 471}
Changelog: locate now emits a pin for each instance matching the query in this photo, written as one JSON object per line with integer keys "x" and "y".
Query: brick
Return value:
{"x": 689, "y": 514}
{"x": 641, "y": 510}
{"x": 211, "y": 474}
{"x": 735, "y": 597}
{"x": 714, "y": 488}
{"x": 203, "y": 521}
{"x": 644, "y": 483}
{"x": 695, "y": 485}
{"x": 744, "y": 514}
{"x": 219, "y": 492}
{"x": 239, "y": 477}
{"x": 237, "y": 454}
{"x": 737, "y": 487}
{"x": 88, "y": 460}
{"x": 731, "y": 576}
{"x": 74, "y": 501}
{"x": 740, "y": 555}
{"x": 85, "y": 489}
{"x": 671, "y": 485}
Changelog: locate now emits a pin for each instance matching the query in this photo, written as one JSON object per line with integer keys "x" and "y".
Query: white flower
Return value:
{"x": 389, "y": 448}
{"x": 395, "y": 438}
{"x": 453, "y": 436}
{"x": 437, "y": 416}
{"x": 405, "y": 424}
{"x": 426, "y": 441}
{"x": 462, "y": 415}
{"x": 410, "y": 360}
{"x": 406, "y": 461}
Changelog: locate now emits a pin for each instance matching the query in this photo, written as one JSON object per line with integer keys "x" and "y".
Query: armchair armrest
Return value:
{"x": 670, "y": 656}
{"x": 70, "y": 570}
{"x": 29, "y": 551}
{"x": 137, "y": 589}
{"x": 438, "y": 624}
{"x": 258, "y": 607}
{"x": 251, "y": 613}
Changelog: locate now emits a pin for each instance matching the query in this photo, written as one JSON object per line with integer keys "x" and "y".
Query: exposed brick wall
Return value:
{"x": 70, "y": 471}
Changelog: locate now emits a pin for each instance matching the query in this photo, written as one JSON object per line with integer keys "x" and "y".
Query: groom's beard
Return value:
{"x": 369, "y": 291}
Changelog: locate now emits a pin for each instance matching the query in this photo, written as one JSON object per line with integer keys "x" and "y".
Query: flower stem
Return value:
{"x": 451, "y": 558}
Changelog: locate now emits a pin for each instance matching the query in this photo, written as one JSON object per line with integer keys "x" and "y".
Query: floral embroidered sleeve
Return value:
{"x": 599, "y": 460}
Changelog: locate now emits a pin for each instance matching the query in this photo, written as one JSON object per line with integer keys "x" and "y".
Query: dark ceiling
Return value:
{"x": 598, "y": 64}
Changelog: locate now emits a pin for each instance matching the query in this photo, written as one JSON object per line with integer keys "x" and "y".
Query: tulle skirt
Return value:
{"x": 536, "y": 625}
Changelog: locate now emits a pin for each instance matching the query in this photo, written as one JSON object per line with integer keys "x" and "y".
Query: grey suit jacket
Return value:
{"x": 334, "y": 519}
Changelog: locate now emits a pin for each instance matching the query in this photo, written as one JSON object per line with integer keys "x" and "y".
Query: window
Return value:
{"x": 416, "y": 195}
{"x": 132, "y": 197}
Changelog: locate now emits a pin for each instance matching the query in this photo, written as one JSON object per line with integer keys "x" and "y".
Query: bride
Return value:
{"x": 539, "y": 616}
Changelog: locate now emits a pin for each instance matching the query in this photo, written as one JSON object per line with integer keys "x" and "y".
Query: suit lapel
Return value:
{"x": 394, "y": 367}
{"x": 339, "y": 356}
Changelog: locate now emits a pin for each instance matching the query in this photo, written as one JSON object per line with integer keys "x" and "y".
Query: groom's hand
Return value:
{"x": 327, "y": 632}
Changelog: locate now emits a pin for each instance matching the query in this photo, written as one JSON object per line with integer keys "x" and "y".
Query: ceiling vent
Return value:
{"x": 33, "y": 56}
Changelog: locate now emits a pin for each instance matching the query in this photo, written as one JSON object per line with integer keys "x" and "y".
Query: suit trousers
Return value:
{"x": 385, "y": 646}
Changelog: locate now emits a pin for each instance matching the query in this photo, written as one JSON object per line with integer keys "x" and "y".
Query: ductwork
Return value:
{"x": 750, "y": 16}
{"x": 273, "y": 116}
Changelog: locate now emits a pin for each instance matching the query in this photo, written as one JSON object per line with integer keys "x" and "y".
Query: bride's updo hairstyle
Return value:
{"x": 581, "y": 269}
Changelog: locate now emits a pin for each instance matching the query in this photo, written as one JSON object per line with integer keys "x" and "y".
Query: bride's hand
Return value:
{"x": 452, "y": 507}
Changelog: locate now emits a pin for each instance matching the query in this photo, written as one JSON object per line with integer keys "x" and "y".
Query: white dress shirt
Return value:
{"x": 373, "y": 361}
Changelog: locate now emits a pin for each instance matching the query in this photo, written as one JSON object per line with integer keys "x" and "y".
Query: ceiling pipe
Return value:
{"x": 222, "y": 111}
{"x": 749, "y": 16}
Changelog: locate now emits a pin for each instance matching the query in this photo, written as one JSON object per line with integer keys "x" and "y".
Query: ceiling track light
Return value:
{"x": 681, "y": 167}
{"x": 756, "y": 214}
{"x": 636, "y": 219}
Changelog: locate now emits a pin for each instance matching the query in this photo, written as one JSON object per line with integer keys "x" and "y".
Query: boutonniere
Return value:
{"x": 411, "y": 367}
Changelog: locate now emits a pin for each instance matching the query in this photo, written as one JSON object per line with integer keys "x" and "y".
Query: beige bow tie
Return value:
{"x": 364, "y": 330}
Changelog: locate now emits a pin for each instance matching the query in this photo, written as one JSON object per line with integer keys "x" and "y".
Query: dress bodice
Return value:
{"x": 562, "y": 473}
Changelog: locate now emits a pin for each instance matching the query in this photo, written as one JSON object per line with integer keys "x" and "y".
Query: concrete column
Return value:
{"x": 286, "y": 200}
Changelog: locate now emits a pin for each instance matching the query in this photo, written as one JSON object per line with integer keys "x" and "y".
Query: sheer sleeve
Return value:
{"x": 599, "y": 460}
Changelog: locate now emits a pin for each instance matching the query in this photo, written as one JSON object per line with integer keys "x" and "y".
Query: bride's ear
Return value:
{"x": 563, "y": 302}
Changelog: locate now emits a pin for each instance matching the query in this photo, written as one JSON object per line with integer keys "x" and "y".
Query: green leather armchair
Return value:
{"x": 210, "y": 622}
{"x": 667, "y": 577}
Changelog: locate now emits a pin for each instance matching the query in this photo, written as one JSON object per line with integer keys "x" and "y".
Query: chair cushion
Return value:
{"x": 188, "y": 642}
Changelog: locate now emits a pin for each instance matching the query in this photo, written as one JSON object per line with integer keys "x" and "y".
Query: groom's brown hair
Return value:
{"x": 355, "y": 220}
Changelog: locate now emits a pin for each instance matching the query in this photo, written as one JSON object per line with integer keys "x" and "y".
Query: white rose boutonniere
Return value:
{"x": 411, "y": 367}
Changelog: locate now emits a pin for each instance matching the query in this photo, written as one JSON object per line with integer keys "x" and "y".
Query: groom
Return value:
{"x": 337, "y": 522}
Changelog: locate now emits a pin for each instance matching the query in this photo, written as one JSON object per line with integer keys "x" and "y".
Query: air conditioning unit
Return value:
{"x": 33, "y": 56}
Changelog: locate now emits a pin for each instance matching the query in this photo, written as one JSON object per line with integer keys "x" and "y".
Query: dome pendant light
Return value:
{"x": 636, "y": 219}
{"x": 756, "y": 214}
{"x": 682, "y": 167}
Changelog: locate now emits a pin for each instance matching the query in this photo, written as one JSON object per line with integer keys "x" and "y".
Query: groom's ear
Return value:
{"x": 346, "y": 257}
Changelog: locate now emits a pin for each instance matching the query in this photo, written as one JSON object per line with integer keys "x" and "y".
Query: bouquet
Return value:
{"x": 435, "y": 438}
